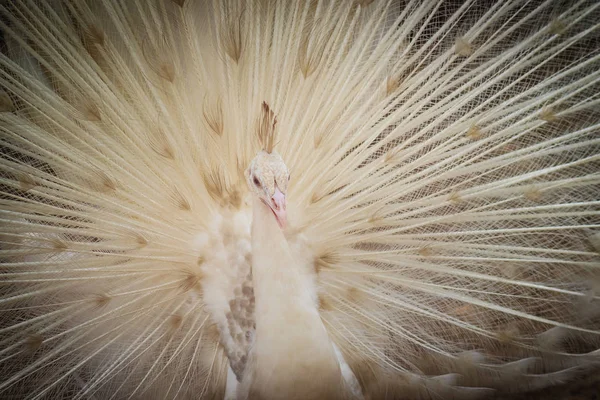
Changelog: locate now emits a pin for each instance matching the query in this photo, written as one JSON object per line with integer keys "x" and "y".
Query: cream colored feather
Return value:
{"x": 443, "y": 207}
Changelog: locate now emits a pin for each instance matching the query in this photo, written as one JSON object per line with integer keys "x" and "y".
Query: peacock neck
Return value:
{"x": 292, "y": 353}
{"x": 277, "y": 274}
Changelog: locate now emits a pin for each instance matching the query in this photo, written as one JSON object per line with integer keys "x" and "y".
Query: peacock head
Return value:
{"x": 268, "y": 179}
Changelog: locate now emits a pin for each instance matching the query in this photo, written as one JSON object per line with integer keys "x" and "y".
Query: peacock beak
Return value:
{"x": 278, "y": 206}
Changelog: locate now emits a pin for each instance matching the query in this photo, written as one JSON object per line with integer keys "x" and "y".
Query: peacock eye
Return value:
{"x": 256, "y": 181}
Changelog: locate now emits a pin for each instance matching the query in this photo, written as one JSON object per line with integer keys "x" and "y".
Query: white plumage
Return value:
{"x": 443, "y": 207}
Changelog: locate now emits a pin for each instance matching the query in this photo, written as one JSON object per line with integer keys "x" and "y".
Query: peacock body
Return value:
{"x": 439, "y": 163}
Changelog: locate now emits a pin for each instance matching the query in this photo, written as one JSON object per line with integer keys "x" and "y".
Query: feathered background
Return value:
{"x": 445, "y": 184}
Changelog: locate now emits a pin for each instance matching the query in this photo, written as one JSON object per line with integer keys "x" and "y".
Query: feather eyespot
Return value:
{"x": 256, "y": 181}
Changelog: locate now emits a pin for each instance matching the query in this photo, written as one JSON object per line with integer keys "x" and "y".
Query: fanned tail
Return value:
{"x": 445, "y": 175}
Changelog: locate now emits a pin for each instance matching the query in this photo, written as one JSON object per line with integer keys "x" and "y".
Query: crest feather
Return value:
{"x": 266, "y": 128}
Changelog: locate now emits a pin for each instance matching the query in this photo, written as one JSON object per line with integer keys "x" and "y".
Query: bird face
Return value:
{"x": 268, "y": 178}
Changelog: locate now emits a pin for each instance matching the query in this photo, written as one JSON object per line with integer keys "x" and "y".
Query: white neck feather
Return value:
{"x": 292, "y": 356}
